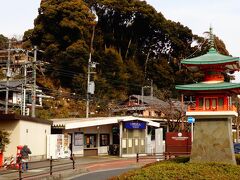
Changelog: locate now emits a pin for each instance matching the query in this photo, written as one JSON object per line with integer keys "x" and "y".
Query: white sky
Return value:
{"x": 198, "y": 15}
{"x": 17, "y": 16}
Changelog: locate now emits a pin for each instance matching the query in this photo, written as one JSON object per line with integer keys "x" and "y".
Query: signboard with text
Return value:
{"x": 135, "y": 125}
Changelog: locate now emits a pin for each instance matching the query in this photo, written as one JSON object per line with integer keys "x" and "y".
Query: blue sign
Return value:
{"x": 191, "y": 120}
{"x": 135, "y": 125}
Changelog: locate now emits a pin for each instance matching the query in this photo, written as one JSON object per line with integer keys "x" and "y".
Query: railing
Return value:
{"x": 160, "y": 156}
{"x": 217, "y": 108}
{"x": 48, "y": 168}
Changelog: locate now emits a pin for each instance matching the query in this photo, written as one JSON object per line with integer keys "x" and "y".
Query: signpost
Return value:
{"x": 191, "y": 120}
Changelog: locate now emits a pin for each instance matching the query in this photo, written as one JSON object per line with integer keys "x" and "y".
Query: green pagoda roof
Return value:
{"x": 212, "y": 57}
{"x": 208, "y": 86}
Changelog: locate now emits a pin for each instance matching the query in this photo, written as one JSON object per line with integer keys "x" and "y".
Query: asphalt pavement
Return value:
{"x": 63, "y": 168}
{"x": 101, "y": 175}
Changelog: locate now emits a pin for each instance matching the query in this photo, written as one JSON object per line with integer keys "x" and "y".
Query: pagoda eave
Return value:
{"x": 230, "y": 91}
{"x": 210, "y": 87}
{"x": 227, "y": 67}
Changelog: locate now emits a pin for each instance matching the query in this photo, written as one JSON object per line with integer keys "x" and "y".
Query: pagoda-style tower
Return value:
{"x": 213, "y": 108}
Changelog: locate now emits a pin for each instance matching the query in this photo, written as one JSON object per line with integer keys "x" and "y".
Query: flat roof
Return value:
{"x": 73, "y": 123}
{"x": 11, "y": 117}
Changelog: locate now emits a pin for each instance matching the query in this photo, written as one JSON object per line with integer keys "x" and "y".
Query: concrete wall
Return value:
{"x": 213, "y": 141}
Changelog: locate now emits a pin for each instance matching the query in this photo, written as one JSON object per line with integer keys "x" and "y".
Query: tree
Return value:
{"x": 4, "y": 139}
{"x": 3, "y": 42}
{"x": 132, "y": 43}
{"x": 63, "y": 29}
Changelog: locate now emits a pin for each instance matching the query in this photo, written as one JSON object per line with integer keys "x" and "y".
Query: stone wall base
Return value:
{"x": 212, "y": 141}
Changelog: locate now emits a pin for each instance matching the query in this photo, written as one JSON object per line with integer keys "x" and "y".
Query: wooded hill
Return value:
{"x": 133, "y": 45}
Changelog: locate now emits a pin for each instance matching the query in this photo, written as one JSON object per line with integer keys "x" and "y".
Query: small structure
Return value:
{"x": 26, "y": 130}
{"x": 213, "y": 109}
{"x": 146, "y": 106}
{"x": 16, "y": 95}
{"x": 94, "y": 136}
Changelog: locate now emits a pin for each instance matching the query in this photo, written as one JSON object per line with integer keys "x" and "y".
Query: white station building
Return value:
{"x": 97, "y": 136}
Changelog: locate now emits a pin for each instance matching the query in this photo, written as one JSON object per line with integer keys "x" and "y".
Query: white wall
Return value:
{"x": 13, "y": 128}
{"x": 35, "y": 136}
{"x": 105, "y": 129}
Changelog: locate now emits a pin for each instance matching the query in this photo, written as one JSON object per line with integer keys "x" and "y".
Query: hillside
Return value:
{"x": 132, "y": 44}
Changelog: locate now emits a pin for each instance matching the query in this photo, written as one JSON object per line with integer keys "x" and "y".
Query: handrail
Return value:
{"x": 164, "y": 155}
{"x": 218, "y": 108}
{"x": 50, "y": 167}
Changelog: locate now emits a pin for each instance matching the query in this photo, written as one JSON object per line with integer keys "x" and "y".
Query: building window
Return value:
{"x": 201, "y": 103}
{"x": 90, "y": 141}
{"x": 104, "y": 139}
{"x": 220, "y": 103}
{"x": 214, "y": 104}
{"x": 207, "y": 103}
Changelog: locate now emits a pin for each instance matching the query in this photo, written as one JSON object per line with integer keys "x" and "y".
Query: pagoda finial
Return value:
{"x": 211, "y": 37}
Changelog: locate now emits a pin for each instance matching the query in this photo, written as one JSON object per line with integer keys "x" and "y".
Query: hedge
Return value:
{"x": 179, "y": 168}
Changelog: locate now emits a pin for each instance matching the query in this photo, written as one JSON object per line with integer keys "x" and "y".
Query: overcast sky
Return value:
{"x": 222, "y": 15}
{"x": 17, "y": 16}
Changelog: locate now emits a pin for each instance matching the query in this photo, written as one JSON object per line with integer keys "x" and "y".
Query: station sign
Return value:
{"x": 135, "y": 125}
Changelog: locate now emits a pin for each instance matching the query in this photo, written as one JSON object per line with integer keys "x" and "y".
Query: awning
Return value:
{"x": 89, "y": 122}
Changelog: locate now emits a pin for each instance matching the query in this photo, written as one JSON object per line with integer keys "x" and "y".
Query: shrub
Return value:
{"x": 4, "y": 139}
{"x": 238, "y": 159}
{"x": 179, "y": 169}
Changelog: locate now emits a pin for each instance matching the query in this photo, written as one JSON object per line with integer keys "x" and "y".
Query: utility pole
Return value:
{"x": 182, "y": 113}
{"x": 8, "y": 74}
{"x": 24, "y": 88}
{"x": 90, "y": 64}
{"x": 34, "y": 82}
{"x": 151, "y": 88}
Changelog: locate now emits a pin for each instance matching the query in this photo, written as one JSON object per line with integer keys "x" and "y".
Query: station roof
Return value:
{"x": 72, "y": 123}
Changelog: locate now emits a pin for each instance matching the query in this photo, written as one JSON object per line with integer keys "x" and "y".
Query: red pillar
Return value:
{"x": 1, "y": 158}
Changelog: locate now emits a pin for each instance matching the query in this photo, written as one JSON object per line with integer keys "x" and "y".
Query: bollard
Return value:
{"x": 51, "y": 166}
{"x": 137, "y": 157}
{"x": 20, "y": 170}
{"x": 73, "y": 160}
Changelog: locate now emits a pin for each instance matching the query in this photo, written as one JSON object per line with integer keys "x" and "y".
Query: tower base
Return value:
{"x": 212, "y": 141}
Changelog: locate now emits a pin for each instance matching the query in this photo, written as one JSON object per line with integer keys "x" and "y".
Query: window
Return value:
{"x": 200, "y": 103}
{"x": 220, "y": 103}
{"x": 104, "y": 139}
{"x": 90, "y": 140}
{"x": 214, "y": 104}
{"x": 207, "y": 103}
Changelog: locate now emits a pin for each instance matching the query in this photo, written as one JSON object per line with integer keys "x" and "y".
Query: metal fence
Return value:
{"x": 160, "y": 156}
{"x": 37, "y": 168}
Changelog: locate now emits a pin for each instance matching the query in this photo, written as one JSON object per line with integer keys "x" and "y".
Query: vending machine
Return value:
{"x": 58, "y": 146}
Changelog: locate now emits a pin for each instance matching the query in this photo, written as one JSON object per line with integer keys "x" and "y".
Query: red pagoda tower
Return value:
{"x": 213, "y": 109}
